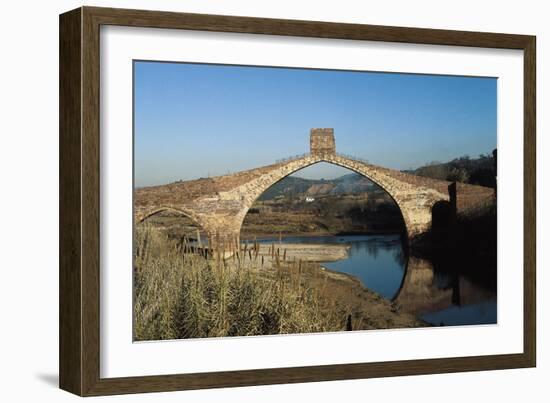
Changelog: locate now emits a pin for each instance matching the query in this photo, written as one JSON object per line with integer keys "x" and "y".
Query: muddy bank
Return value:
{"x": 369, "y": 310}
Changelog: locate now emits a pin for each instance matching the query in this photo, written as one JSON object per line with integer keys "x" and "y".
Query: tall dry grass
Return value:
{"x": 178, "y": 293}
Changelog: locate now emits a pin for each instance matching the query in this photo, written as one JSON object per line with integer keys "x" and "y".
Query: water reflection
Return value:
{"x": 441, "y": 293}
{"x": 378, "y": 261}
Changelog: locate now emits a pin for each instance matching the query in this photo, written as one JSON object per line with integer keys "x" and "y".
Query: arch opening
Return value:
{"x": 358, "y": 223}
{"x": 171, "y": 227}
{"x": 316, "y": 187}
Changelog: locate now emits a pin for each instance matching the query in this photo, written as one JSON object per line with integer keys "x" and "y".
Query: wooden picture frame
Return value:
{"x": 79, "y": 281}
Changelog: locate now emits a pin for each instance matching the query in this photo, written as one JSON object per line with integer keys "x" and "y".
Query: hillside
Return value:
{"x": 350, "y": 204}
{"x": 475, "y": 171}
{"x": 296, "y": 187}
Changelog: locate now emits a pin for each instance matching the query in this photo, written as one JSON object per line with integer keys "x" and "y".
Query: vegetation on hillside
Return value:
{"x": 476, "y": 171}
{"x": 293, "y": 187}
{"x": 350, "y": 204}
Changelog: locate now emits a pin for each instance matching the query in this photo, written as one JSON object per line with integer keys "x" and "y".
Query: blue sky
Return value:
{"x": 198, "y": 120}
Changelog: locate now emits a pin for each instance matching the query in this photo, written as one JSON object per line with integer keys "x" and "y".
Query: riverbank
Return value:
{"x": 326, "y": 215}
{"x": 370, "y": 310}
{"x": 247, "y": 236}
{"x": 367, "y": 309}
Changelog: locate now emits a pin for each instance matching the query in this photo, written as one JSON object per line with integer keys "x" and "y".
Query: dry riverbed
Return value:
{"x": 306, "y": 252}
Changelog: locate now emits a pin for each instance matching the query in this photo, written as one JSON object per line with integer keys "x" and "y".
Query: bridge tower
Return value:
{"x": 321, "y": 142}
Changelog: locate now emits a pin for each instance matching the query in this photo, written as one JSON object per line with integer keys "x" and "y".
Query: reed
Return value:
{"x": 183, "y": 291}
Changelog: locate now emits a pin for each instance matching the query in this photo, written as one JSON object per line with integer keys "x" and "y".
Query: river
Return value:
{"x": 439, "y": 294}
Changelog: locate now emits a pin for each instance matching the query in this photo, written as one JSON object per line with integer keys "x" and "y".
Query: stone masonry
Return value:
{"x": 321, "y": 141}
{"x": 220, "y": 204}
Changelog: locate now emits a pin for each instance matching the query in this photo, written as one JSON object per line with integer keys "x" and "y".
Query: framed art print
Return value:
{"x": 250, "y": 201}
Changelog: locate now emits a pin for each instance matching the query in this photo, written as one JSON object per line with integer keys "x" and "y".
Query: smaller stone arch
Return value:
{"x": 143, "y": 215}
{"x": 195, "y": 229}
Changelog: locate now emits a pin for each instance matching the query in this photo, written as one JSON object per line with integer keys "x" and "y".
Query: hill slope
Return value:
{"x": 293, "y": 186}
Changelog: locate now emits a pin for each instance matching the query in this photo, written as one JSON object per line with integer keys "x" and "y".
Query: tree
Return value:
{"x": 458, "y": 175}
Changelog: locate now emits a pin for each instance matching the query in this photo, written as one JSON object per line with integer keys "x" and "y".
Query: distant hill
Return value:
{"x": 293, "y": 186}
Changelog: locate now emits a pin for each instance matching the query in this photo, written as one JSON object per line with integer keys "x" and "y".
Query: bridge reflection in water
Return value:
{"x": 445, "y": 297}
{"x": 441, "y": 293}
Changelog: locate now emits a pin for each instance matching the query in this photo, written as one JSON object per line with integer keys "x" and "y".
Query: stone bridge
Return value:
{"x": 220, "y": 204}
